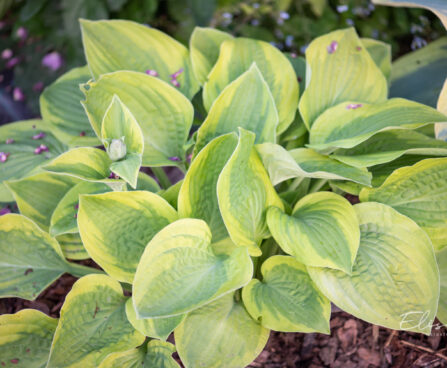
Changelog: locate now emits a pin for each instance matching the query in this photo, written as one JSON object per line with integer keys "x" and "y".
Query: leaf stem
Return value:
{"x": 317, "y": 185}
{"x": 161, "y": 177}
{"x": 81, "y": 270}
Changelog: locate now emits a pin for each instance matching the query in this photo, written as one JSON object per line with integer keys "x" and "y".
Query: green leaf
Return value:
{"x": 116, "y": 227}
{"x": 112, "y": 45}
{"x": 306, "y": 163}
{"x": 419, "y": 192}
{"x": 37, "y": 196}
{"x": 339, "y": 69}
{"x": 233, "y": 338}
{"x": 349, "y": 124}
{"x": 299, "y": 65}
{"x": 22, "y": 160}
{"x": 243, "y": 199}
{"x": 236, "y": 56}
{"x": 394, "y": 277}
{"x": 64, "y": 217}
{"x": 171, "y": 194}
{"x": 72, "y": 247}
{"x": 155, "y": 106}
{"x": 441, "y": 128}
{"x": 247, "y": 103}
{"x": 119, "y": 123}
{"x": 380, "y": 53}
{"x": 287, "y": 299}
{"x": 198, "y": 195}
{"x": 159, "y": 328}
{"x": 388, "y": 146}
{"x": 127, "y": 359}
{"x": 205, "y": 45}
{"x": 146, "y": 182}
{"x": 322, "y": 231}
{"x": 25, "y": 338}
{"x": 185, "y": 271}
{"x": 60, "y": 106}
{"x": 441, "y": 258}
{"x": 92, "y": 325}
{"x": 419, "y": 75}
{"x": 30, "y": 259}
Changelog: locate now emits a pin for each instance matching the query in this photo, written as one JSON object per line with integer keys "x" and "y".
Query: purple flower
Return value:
{"x": 40, "y": 149}
{"x": 332, "y": 47}
{"x": 353, "y": 106}
{"x": 22, "y": 33}
{"x": 4, "y": 156}
{"x": 152, "y": 72}
{"x": 12, "y": 62}
{"x": 6, "y": 54}
{"x": 113, "y": 176}
{"x": 10, "y": 141}
{"x": 52, "y": 61}
{"x": 358, "y": 48}
{"x": 4, "y": 211}
{"x": 39, "y": 136}
{"x": 174, "y": 158}
{"x": 17, "y": 94}
{"x": 76, "y": 206}
{"x": 177, "y": 73}
{"x": 175, "y": 83}
{"x": 38, "y": 87}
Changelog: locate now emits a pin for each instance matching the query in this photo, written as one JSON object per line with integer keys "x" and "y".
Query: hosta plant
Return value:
{"x": 257, "y": 236}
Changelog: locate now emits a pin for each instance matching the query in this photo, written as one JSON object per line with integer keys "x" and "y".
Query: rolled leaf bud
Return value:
{"x": 117, "y": 149}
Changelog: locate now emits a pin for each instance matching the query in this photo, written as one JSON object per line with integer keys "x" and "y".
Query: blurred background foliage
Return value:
{"x": 40, "y": 39}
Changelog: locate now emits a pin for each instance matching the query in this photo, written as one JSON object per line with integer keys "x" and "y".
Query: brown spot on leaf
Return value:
{"x": 29, "y": 270}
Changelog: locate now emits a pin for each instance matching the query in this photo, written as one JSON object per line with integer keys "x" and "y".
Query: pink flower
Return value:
{"x": 10, "y": 141}
{"x": 6, "y": 54}
{"x": 40, "y": 149}
{"x": 38, "y": 87}
{"x": 22, "y": 33}
{"x": 39, "y": 136}
{"x": 17, "y": 94}
{"x": 4, "y": 156}
{"x": 332, "y": 47}
{"x": 175, "y": 83}
{"x": 12, "y": 62}
{"x": 353, "y": 106}
{"x": 53, "y": 60}
{"x": 177, "y": 73}
{"x": 152, "y": 72}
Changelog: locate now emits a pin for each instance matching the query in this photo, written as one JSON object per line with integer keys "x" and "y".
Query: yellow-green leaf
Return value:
{"x": 380, "y": 53}
{"x": 116, "y": 227}
{"x": 441, "y": 257}
{"x": 127, "y": 359}
{"x": 441, "y": 128}
{"x": 394, "y": 277}
{"x": 286, "y": 299}
{"x": 72, "y": 247}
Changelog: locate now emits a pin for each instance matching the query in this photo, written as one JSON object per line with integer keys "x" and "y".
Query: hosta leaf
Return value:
{"x": 171, "y": 194}
{"x": 441, "y": 128}
{"x": 159, "y": 328}
{"x": 22, "y": 160}
{"x": 198, "y": 195}
{"x": 441, "y": 257}
{"x": 30, "y": 259}
{"x": 120, "y": 124}
{"x": 146, "y": 182}
{"x": 25, "y": 338}
{"x": 163, "y": 113}
{"x": 389, "y": 145}
{"x": 92, "y": 325}
{"x": 419, "y": 192}
{"x": 233, "y": 338}
{"x": 179, "y": 271}
{"x": 60, "y": 106}
{"x": 236, "y": 56}
{"x": 72, "y": 247}
{"x": 339, "y": 69}
{"x": 380, "y": 53}
{"x": 64, "y": 217}
{"x": 116, "y": 227}
{"x": 87, "y": 163}
{"x": 204, "y": 47}
{"x": 419, "y": 75}
{"x": 304, "y": 162}
{"x": 349, "y": 124}
{"x": 37, "y": 196}
{"x": 243, "y": 199}
{"x": 394, "y": 277}
{"x": 112, "y": 45}
{"x": 127, "y": 359}
{"x": 286, "y": 299}
{"x": 247, "y": 103}
{"x": 322, "y": 231}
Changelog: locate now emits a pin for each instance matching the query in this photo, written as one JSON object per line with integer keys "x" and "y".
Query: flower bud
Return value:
{"x": 117, "y": 149}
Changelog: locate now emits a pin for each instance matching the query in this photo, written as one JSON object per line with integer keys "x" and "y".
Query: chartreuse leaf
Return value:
{"x": 171, "y": 194}
{"x": 146, "y": 182}
{"x": 304, "y": 162}
{"x": 92, "y": 325}
{"x": 163, "y": 113}
{"x": 394, "y": 277}
{"x": 159, "y": 328}
{"x": 119, "y": 124}
{"x": 179, "y": 271}
{"x": 287, "y": 299}
{"x": 198, "y": 195}
{"x": 112, "y": 45}
{"x": 441, "y": 128}
{"x": 322, "y": 231}
{"x": 25, "y": 338}
{"x": 380, "y": 53}
{"x": 37, "y": 196}
{"x": 389, "y": 145}
{"x": 349, "y": 124}
{"x": 236, "y": 56}
{"x": 233, "y": 338}
{"x": 60, "y": 106}
{"x": 127, "y": 359}
{"x": 64, "y": 217}
{"x": 247, "y": 103}
{"x": 441, "y": 257}
{"x": 244, "y": 192}
{"x": 72, "y": 247}
{"x": 419, "y": 192}
{"x": 22, "y": 160}
{"x": 339, "y": 69}
{"x": 116, "y": 227}
{"x": 204, "y": 46}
